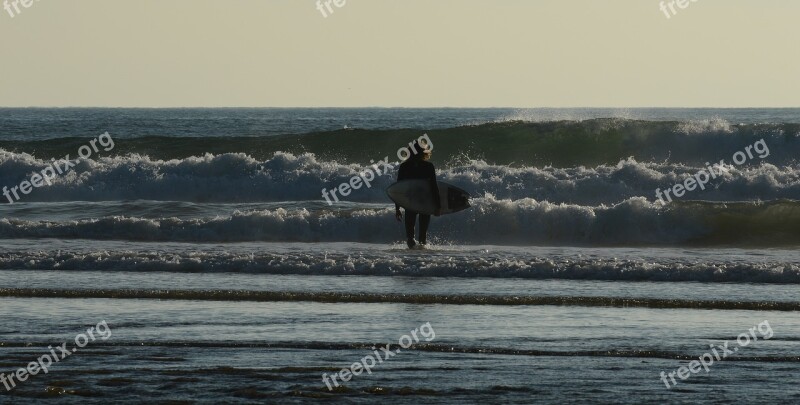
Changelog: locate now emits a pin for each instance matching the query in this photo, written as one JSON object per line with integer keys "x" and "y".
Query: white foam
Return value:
{"x": 287, "y": 177}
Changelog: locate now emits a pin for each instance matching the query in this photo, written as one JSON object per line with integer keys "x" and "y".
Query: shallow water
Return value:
{"x": 240, "y": 350}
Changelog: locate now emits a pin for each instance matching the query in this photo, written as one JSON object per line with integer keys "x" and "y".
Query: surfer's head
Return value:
{"x": 420, "y": 151}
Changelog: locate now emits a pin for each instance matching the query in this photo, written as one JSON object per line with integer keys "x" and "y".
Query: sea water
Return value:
{"x": 203, "y": 241}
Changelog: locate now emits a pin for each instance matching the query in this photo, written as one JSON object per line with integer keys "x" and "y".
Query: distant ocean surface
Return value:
{"x": 219, "y": 214}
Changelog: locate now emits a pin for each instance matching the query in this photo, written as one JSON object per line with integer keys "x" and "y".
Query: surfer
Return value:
{"x": 417, "y": 167}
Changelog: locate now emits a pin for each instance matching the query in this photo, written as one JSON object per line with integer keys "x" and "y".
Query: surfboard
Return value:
{"x": 416, "y": 195}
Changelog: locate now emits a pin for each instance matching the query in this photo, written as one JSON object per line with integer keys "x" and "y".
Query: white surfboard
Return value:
{"x": 416, "y": 195}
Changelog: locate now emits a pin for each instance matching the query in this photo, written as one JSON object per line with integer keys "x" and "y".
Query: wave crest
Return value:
{"x": 238, "y": 177}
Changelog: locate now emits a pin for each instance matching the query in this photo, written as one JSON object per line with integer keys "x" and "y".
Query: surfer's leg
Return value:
{"x": 424, "y": 221}
{"x": 411, "y": 219}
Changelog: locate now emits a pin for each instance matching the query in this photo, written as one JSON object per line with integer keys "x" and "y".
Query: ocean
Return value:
{"x": 199, "y": 242}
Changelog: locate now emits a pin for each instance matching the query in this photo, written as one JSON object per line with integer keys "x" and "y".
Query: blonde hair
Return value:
{"x": 417, "y": 150}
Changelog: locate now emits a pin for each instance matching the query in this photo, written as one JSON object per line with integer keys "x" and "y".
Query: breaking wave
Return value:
{"x": 634, "y": 222}
{"x": 558, "y": 143}
{"x": 238, "y": 177}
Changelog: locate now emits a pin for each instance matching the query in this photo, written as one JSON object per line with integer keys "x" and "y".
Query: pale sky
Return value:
{"x": 400, "y": 53}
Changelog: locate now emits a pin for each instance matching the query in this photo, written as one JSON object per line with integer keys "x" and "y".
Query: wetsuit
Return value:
{"x": 416, "y": 168}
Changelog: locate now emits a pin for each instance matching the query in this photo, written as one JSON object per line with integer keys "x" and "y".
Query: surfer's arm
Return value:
{"x": 435, "y": 187}
{"x": 401, "y": 175}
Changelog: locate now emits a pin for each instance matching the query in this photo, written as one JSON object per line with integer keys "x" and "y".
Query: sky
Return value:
{"x": 400, "y": 53}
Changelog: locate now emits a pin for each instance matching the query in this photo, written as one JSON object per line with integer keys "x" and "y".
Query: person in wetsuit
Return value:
{"x": 417, "y": 167}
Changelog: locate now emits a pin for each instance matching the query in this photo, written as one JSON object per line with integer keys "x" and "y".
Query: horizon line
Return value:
{"x": 392, "y": 107}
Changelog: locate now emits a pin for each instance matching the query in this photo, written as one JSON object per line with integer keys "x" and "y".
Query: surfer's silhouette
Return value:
{"x": 417, "y": 167}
